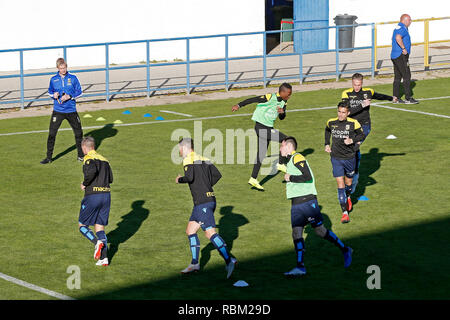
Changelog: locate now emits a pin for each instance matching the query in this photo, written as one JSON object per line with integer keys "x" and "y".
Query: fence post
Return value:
{"x": 300, "y": 62}
{"x": 226, "y": 63}
{"x": 22, "y": 93}
{"x": 426, "y": 45}
{"x": 65, "y": 54}
{"x": 337, "y": 53}
{"x": 375, "y": 41}
{"x": 148, "y": 68}
{"x": 188, "y": 79}
{"x": 373, "y": 52}
{"x": 107, "y": 71}
{"x": 264, "y": 59}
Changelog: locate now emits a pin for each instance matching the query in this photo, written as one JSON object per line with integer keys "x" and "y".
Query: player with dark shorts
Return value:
{"x": 346, "y": 133}
{"x": 64, "y": 88}
{"x": 269, "y": 107}
{"x": 359, "y": 99}
{"x": 301, "y": 190}
{"x": 96, "y": 203}
{"x": 201, "y": 175}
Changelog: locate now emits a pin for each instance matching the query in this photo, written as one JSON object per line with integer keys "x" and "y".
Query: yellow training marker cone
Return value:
{"x": 87, "y": 115}
{"x": 117, "y": 122}
{"x": 100, "y": 119}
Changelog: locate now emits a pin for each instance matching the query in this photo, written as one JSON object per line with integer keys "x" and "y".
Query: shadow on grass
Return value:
{"x": 130, "y": 224}
{"x": 228, "y": 227}
{"x": 412, "y": 260}
{"x": 370, "y": 163}
{"x": 99, "y": 135}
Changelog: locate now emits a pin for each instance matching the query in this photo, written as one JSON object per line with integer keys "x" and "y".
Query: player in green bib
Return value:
{"x": 301, "y": 190}
{"x": 269, "y": 108}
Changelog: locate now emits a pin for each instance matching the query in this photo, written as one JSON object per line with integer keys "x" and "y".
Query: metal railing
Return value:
{"x": 425, "y": 43}
{"x": 188, "y": 62}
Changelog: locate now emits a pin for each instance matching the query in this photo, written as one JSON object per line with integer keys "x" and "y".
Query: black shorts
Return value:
{"x": 306, "y": 212}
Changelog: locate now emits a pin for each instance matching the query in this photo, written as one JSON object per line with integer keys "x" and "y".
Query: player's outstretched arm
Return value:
{"x": 380, "y": 96}
{"x": 259, "y": 99}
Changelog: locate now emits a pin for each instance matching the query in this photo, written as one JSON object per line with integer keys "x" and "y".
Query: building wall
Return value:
{"x": 391, "y": 10}
{"x": 62, "y": 22}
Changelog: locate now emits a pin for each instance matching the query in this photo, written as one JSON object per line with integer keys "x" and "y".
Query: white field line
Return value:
{"x": 35, "y": 288}
{"x": 156, "y": 122}
{"x": 379, "y": 105}
{"x": 178, "y": 113}
{"x": 231, "y": 115}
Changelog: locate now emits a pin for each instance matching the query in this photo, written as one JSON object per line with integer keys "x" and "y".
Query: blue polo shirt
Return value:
{"x": 402, "y": 30}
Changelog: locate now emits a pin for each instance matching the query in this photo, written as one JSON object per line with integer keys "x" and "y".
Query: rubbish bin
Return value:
{"x": 287, "y": 24}
{"x": 346, "y": 34}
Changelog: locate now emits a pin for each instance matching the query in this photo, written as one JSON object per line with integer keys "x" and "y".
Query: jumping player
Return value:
{"x": 269, "y": 107}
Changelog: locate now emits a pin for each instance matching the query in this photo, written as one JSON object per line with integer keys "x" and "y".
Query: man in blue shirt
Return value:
{"x": 401, "y": 48}
{"x": 64, "y": 88}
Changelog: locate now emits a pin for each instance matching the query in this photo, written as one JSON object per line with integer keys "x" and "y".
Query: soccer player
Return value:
{"x": 201, "y": 175}
{"x": 97, "y": 199}
{"x": 64, "y": 88}
{"x": 359, "y": 99}
{"x": 301, "y": 190}
{"x": 269, "y": 107}
{"x": 346, "y": 133}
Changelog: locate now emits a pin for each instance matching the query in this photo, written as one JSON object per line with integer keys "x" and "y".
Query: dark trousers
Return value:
{"x": 55, "y": 122}
{"x": 265, "y": 135}
{"x": 401, "y": 70}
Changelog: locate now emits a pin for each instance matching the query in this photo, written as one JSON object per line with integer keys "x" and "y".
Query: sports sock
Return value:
{"x": 342, "y": 199}
{"x": 194, "y": 242}
{"x": 348, "y": 190}
{"x": 85, "y": 231}
{"x": 330, "y": 236}
{"x": 221, "y": 246}
{"x": 299, "y": 245}
{"x": 102, "y": 237}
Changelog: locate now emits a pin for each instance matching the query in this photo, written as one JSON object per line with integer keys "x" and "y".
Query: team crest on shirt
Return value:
{"x": 347, "y": 127}
{"x": 365, "y": 96}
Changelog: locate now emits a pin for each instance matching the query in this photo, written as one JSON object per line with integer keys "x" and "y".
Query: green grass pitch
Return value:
{"x": 403, "y": 228}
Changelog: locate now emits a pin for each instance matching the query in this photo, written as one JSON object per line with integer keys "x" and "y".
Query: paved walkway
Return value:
{"x": 314, "y": 68}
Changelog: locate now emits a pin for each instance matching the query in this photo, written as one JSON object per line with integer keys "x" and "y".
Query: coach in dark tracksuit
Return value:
{"x": 64, "y": 88}
{"x": 401, "y": 48}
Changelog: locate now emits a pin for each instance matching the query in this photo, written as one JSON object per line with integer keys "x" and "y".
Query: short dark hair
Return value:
{"x": 292, "y": 141}
{"x": 285, "y": 86}
{"x": 358, "y": 76}
{"x": 187, "y": 142}
{"x": 89, "y": 142}
{"x": 344, "y": 104}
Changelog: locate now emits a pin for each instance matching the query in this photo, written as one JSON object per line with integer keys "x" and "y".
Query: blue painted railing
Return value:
{"x": 227, "y": 83}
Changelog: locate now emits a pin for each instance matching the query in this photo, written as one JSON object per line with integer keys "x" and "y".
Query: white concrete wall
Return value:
{"x": 28, "y": 23}
{"x": 391, "y": 10}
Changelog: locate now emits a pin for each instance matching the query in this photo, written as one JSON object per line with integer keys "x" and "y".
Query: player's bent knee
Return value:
{"x": 210, "y": 232}
{"x": 321, "y": 231}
